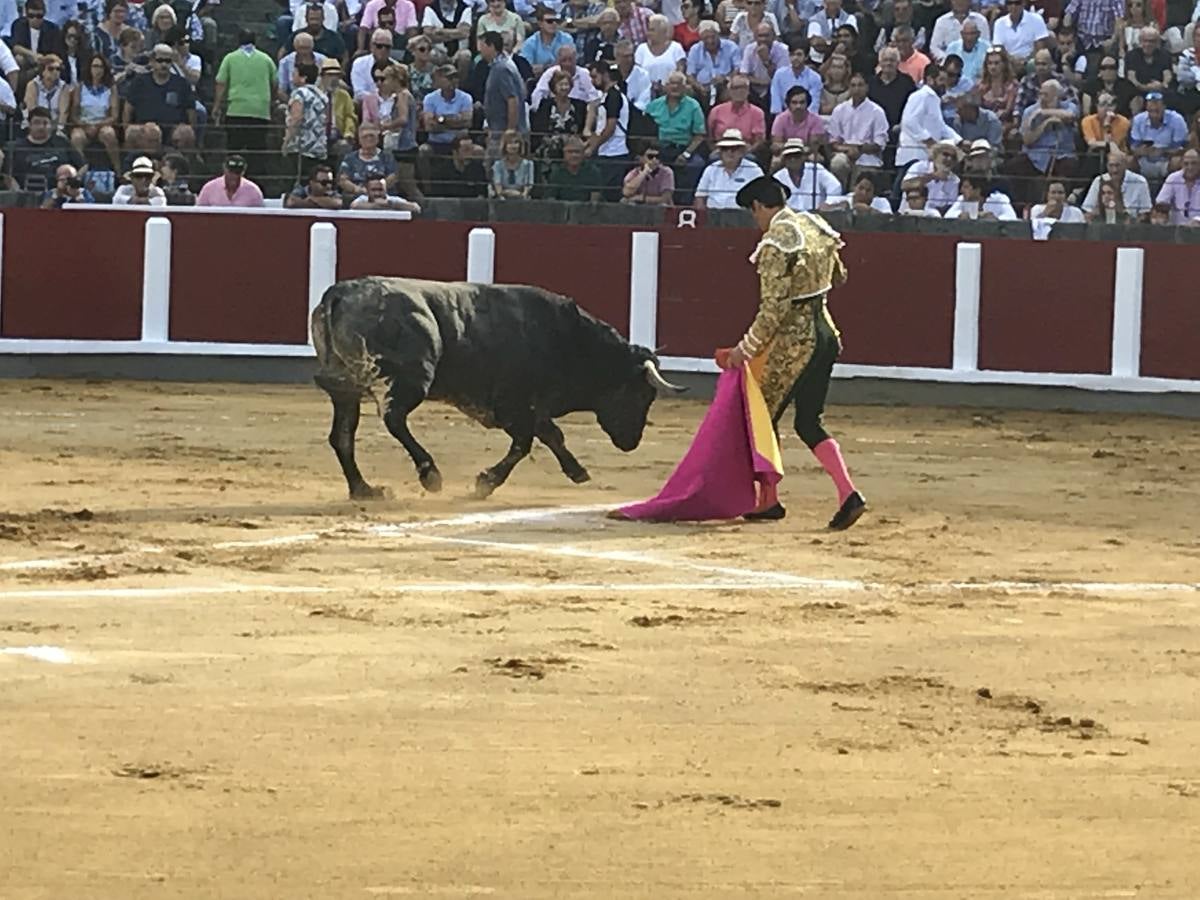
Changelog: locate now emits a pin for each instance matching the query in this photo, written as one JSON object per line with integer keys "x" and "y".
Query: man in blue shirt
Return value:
{"x": 710, "y": 62}
{"x": 446, "y": 113}
{"x": 1157, "y": 137}
{"x": 1048, "y": 135}
{"x": 541, "y": 49}
{"x": 798, "y": 73}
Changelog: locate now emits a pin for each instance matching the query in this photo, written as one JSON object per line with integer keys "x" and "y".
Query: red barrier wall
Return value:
{"x": 1047, "y": 306}
{"x": 1171, "y": 311}
{"x": 72, "y": 275}
{"x": 435, "y": 250}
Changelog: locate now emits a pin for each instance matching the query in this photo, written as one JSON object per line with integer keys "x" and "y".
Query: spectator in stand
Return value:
{"x": 540, "y": 49}
{"x": 603, "y": 44}
{"x": 9, "y": 66}
{"x": 741, "y": 114}
{"x": 681, "y": 131}
{"x": 1157, "y": 137}
{"x": 761, "y": 61}
{"x": 68, "y": 189}
{"x": 377, "y": 197}
{"x": 1160, "y": 214}
{"x": 49, "y": 91}
{"x": 302, "y": 52}
{"x": 504, "y": 106}
{"x": 977, "y": 200}
{"x": 858, "y": 133}
{"x": 948, "y": 28}
{"x": 326, "y": 42}
{"x": 447, "y": 112}
{"x": 131, "y": 60}
{"x": 835, "y": 78}
{"x": 406, "y": 21}
{"x": 1097, "y": 23}
{"x": 513, "y": 172}
{"x": 400, "y": 49}
{"x": 722, "y": 179}
{"x": 33, "y": 36}
{"x": 1148, "y": 66}
{"x": 607, "y": 142}
{"x": 394, "y": 110}
{"x": 1048, "y": 140}
{"x": 161, "y": 22}
{"x": 421, "y": 69}
{"x": 1132, "y": 188}
{"x": 846, "y": 43}
{"x": 809, "y": 184}
{"x": 1187, "y": 76}
{"x": 160, "y": 107}
{"x": 890, "y": 88}
{"x": 76, "y": 52}
{"x": 107, "y": 35}
{"x": 922, "y": 125}
{"x": 1110, "y": 207}
{"x": 710, "y": 63}
{"x": 797, "y": 123}
{"x": 320, "y": 191}
{"x": 797, "y": 73}
{"x": 460, "y": 175}
{"x": 231, "y": 188}
{"x": 936, "y": 175}
{"x": 970, "y": 50}
{"x": 580, "y": 80}
{"x": 8, "y": 113}
{"x": 448, "y": 24}
{"x": 500, "y": 18}
{"x": 916, "y": 203}
{"x": 823, "y": 26}
{"x": 1070, "y": 65}
{"x": 661, "y": 54}
{"x": 187, "y": 63}
{"x": 343, "y": 124}
{"x": 631, "y": 78}
{"x": 1137, "y": 16}
{"x": 687, "y": 32}
{"x": 862, "y": 200}
{"x": 744, "y": 29}
{"x": 974, "y": 123}
{"x": 141, "y": 189}
{"x": 245, "y": 86}
{"x": 1021, "y": 32}
{"x": 1107, "y": 81}
{"x": 576, "y": 179}
{"x": 1031, "y": 85}
{"x": 650, "y": 183}
{"x": 981, "y": 160}
{"x": 558, "y": 117}
{"x": 306, "y": 138}
{"x": 366, "y": 163}
{"x": 912, "y": 62}
{"x": 998, "y": 90}
{"x": 361, "y": 80}
{"x": 1055, "y": 207}
{"x": 580, "y": 21}
{"x": 1106, "y": 129}
{"x": 173, "y": 181}
{"x": 901, "y": 16}
{"x": 956, "y": 85}
{"x": 93, "y": 115}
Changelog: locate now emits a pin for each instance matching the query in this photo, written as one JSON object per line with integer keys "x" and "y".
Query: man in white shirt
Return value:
{"x": 858, "y": 130}
{"x": 1135, "y": 190}
{"x": 809, "y": 184}
{"x": 916, "y": 203}
{"x": 862, "y": 199}
{"x": 936, "y": 175}
{"x": 823, "y": 27}
{"x": 922, "y": 124}
{"x": 1021, "y": 32}
{"x": 948, "y": 28}
{"x": 977, "y": 200}
{"x": 581, "y": 80}
{"x": 723, "y": 179}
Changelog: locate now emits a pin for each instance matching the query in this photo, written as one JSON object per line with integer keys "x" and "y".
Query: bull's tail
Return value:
{"x": 341, "y": 369}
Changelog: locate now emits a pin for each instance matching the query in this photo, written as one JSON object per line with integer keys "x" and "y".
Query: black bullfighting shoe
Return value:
{"x": 850, "y": 512}
{"x": 770, "y": 514}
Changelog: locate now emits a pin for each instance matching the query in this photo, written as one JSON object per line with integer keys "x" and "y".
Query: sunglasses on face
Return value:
{"x": 383, "y": 46}
{"x": 651, "y": 156}
{"x": 35, "y": 15}
{"x": 325, "y": 182}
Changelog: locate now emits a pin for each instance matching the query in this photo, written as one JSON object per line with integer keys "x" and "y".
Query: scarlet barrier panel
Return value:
{"x": 927, "y": 307}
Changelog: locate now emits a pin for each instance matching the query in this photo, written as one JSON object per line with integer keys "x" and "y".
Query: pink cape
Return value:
{"x": 734, "y": 448}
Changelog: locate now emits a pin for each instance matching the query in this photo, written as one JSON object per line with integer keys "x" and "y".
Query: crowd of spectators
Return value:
{"x": 1072, "y": 110}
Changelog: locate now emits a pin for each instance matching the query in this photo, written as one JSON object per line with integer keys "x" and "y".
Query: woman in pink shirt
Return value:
{"x": 231, "y": 189}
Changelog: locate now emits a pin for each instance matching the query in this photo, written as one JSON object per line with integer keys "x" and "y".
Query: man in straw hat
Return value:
{"x": 808, "y": 183}
{"x": 721, "y": 181}
{"x": 343, "y": 119}
{"x": 792, "y": 343}
{"x": 141, "y": 189}
{"x": 936, "y": 174}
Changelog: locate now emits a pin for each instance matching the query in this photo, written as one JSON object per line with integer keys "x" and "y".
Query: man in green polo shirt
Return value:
{"x": 246, "y": 79}
{"x": 575, "y": 178}
{"x": 681, "y": 131}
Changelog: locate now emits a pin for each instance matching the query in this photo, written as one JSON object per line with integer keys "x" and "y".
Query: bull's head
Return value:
{"x": 622, "y": 412}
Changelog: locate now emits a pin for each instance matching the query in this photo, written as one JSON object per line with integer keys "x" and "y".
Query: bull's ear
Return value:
{"x": 655, "y": 378}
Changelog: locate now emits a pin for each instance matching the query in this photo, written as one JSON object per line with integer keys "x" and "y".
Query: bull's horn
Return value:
{"x": 655, "y": 378}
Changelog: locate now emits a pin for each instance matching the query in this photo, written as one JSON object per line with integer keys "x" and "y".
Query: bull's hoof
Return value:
{"x": 365, "y": 491}
{"x": 483, "y": 486}
{"x": 431, "y": 479}
{"x": 579, "y": 476}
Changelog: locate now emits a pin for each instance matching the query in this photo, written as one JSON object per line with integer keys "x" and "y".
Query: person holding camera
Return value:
{"x": 68, "y": 188}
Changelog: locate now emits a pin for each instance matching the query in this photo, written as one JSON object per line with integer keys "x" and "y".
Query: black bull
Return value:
{"x": 510, "y": 357}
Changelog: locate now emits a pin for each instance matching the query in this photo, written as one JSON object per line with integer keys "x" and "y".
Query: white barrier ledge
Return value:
{"x": 394, "y": 215}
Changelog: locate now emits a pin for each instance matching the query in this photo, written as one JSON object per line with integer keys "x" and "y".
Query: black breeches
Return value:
{"x": 812, "y": 386}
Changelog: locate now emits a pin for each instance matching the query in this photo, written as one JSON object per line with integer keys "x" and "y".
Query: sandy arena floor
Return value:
{"x": 249, "y": 687}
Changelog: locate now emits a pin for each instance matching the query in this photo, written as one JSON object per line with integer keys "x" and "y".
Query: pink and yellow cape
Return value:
{"x": 734, "y": 449}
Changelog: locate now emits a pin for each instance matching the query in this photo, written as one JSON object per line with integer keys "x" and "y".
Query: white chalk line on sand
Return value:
{"x": 42, "y": 653}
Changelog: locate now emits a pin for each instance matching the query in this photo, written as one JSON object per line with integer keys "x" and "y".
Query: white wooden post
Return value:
{"x": 1127, "y": 313}
{"x": 481, "y": 256}
{"x": 322, "y": 261}
{"x": 968, "y": 269}
{"x": 643, "y": 289}
{"x": 156, "y": 280}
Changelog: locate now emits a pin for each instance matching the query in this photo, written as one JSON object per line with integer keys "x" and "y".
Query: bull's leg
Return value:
{"x": 341, "y": 439}
{"x": 522, "y": 442}
{"x": 551, "y": 435}
{"x": 396, "y": 420}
